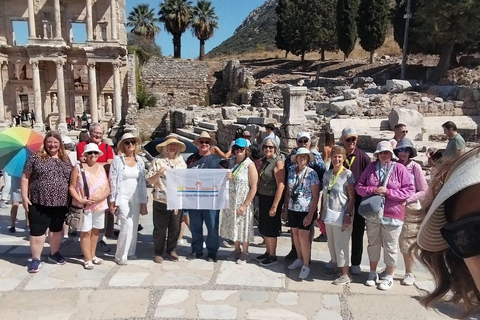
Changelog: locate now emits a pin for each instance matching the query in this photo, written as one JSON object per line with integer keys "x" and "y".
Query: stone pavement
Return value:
{"x": 191, "y": 289}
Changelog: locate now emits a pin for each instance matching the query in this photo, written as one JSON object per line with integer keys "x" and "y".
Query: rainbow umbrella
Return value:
{"x": 16, "y": 144}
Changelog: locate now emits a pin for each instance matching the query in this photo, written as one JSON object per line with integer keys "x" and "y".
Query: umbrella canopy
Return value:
{"x": 16, "y": 144}
{"x": 150, "y": 147}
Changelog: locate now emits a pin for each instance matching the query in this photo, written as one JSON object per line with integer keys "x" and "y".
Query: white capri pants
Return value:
{"x": 93, "y": 220}
{"x": 379, "y": 236}
{"x": 338, "y": 244}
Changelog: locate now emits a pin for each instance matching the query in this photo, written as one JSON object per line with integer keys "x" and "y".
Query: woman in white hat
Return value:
{"x": 448, "y": 240}
{"x": 386, "y": 231}
{"x": 166, "y": 223}
{"x": 95, "y": 203}
{"x": 303, "y": 190}
{"x": 128, "y": 198}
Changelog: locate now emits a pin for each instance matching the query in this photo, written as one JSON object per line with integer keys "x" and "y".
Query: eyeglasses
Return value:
{"x": 463, "y": 236}
{"x": 238, "y": 148}
{"x": 405, "y": 131}
{"x": 204, "y": 141}
{"x": 269, "y": 147}
{"x": 97, "y": 133}
{"x": 351, "y": 139}
{"x": 302, "y": 141}
{"x": 92, "y": 152}
{"x": 406, "y": 150}
{"x": 130, "y": 142}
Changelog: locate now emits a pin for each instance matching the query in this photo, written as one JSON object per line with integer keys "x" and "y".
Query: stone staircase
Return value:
{"x": 190, "y": 135}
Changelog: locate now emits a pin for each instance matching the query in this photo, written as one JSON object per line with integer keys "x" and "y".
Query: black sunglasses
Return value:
{"x": 405, "y": 131}
{"x": 269, "y": 147}
{"x": 406, "y": 149}
{"x": 463, "y": 236}
{"x": 204, "y": 141}
{"x": 92, "y": 152}
{"x": 302, "y": 141}
{"x": 352, "y": 139}
{"x": 130, "y": 142}
{"x": 236, "y": 148}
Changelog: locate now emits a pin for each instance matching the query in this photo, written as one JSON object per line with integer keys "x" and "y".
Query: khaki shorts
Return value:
{"x": 408, "y": 236}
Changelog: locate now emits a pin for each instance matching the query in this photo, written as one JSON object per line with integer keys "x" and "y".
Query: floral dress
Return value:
{"x": 232, "y": 226}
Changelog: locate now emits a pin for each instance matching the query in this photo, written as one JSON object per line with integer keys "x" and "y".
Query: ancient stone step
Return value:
{"x": 200, "y": 129}
{"x": 187, "y": 134}
{"x": 208, "y": 125}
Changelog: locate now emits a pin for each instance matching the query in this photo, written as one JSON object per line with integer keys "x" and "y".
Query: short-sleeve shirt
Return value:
{"x": 49, "y": 181}
{"x": 337, "y": 198}
{"x": 304, "y": 189}
{"x": 454, "y": 144}
{"x": 106, "y": 149}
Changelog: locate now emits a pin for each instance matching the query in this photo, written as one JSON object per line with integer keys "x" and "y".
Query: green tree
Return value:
{"x": 372, "y": 24}
{"x": 177, "y": 16}
{"x": 328, "y": 31}
{"x": 204, "y": 23}
{"x": 284, "y": 35}
{"x": 143, "y": 21}
{"x": 142, "y": 47}
{"x": 347, "y": 12}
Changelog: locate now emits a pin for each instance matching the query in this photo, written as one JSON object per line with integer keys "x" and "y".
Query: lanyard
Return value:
{"x": 349, "y": 163}
{"x": 333, "y": 179}
{"x": 237, "y": 168}
{"x": 263, "y": 168}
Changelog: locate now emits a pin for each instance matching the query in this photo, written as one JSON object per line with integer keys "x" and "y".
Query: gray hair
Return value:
{"x": 314, "y": 142}
{"x": 93, "y": 126}
{"x": 277, "y": 149}
{"x": 69, "y": 146}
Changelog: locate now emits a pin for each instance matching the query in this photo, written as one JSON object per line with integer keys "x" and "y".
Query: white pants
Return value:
{"x": 129, "y": 215}
{"x": 7, "y": 186}
{"x": 338, "y": 244}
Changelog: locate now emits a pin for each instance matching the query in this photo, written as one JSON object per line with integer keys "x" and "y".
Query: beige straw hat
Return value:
{"x": 205, "y": 135}
{"x": 168, "y": 140}
{"x": 126, "y": 136}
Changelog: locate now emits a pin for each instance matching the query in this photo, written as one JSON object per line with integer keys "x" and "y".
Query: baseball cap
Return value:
{"x": 348, "y": 132}
{"x": 241, "y": 143}
{"x": 302, "y": 134}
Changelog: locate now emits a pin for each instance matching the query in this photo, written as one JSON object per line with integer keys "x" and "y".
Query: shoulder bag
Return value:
{"x": 371, "y": 207}
{"x": 75, "y": 214}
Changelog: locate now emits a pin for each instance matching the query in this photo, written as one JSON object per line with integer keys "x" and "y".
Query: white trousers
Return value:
{"x": 338, "y": 244}
{"x": 7, "y": 186}
{"x": 129, "y": 215}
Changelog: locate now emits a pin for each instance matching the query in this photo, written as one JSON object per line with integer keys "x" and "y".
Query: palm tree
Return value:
{"x": 176, "y": 15}
{"x": 143, "y": 20}
{"x": 204, "y": 23}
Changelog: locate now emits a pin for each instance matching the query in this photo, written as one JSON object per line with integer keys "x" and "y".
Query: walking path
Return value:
{"x": 191, "y": 289}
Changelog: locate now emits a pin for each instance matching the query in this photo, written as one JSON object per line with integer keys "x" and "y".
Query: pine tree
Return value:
{"x": 306, "y": 26}
{"x": 327, "y": 40}
{"x": 372, "y": 24}
{"x": 347, "y": 12}
{"x": 284, "y": 32}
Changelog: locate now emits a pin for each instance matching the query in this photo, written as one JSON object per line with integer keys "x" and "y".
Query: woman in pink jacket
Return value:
{"x": 385, "y": 233}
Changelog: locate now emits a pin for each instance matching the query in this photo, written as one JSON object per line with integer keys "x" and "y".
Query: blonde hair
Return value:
{"x": 62, "y": 155}
{"x": 339, "y": 150}
{"x": 138, "y": 149}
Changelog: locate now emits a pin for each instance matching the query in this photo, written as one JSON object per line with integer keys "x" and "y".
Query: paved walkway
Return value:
{"x": 191, "y": 289}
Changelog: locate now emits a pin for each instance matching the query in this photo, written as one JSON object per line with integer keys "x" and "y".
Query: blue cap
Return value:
{"x": 241, "y": 143}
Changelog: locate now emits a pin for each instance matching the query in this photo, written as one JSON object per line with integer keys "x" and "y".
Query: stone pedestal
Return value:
{"x": 289, "y": 132}
{"x": 294, "y": 105}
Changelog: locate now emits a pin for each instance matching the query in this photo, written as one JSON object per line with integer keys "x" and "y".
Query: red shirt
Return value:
{"x": 106, "y": 149}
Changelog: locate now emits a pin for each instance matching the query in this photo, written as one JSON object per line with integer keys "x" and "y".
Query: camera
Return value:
{"x": 294, "y": 196}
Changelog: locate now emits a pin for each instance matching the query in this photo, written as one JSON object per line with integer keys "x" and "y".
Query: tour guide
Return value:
{"x": 204, "y": 159}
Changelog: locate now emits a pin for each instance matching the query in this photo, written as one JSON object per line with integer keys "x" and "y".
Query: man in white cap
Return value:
{"x": 304, "y": 141}
{"x": 356, "y": 161}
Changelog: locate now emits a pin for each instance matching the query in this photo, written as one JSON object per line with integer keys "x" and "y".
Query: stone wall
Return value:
{"x": 175, "y": 82}
{"x": 153, "y": 122}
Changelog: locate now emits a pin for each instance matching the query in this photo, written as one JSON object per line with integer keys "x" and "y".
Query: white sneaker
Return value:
{"x": 382, "y": 275}
{"x": 355, "y": 269}
{"x": 180, "y": 242}
{"x": 386, "y": 284}
{"x": 409, "y": 279}
{"x": 372, "y": 279}
{"x": 304, "y": 272}
{"x": 330, "y": 265}
{"x": 297, "y": 264}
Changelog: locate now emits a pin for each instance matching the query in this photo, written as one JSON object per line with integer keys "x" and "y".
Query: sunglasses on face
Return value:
{"x": 247, "y": 137}
{"x": 269, "y": 147}
{"x": 352, "y": 139}
{"x": 463, "y": 236}
{"x": 406, "y": 150}
{"x": 405, "y": 131}
{"x": 92, "y": 152}
{"x": 238, "y": 148}
{"x": 204, "y": 142}
{"x": 302, "y": 141}
{"x": 130, "y": 142}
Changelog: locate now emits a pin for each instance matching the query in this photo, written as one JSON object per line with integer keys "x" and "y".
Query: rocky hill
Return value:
{"x": 256, "y": 33}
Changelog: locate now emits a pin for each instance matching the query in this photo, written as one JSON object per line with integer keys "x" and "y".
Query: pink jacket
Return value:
{"x": 399, "y": 188}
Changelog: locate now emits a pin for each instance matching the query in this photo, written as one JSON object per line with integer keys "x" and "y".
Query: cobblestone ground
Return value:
{"x": 191, "y": 289}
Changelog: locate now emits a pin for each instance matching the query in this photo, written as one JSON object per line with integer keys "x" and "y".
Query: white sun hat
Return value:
{"x": 302, "y": 151}
{"x": 92, "y": 147}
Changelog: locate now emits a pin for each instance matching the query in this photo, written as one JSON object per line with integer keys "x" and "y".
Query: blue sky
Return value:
{"x": 230, "y": 14}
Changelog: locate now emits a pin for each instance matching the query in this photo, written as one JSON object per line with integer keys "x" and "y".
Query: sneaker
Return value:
{"x": 193, "y": 256}
{"x": 342, "y": 280}
{"x": 243, "y": 258}
{"x": 212, "y": 257}
{"x": 297, "y": 264}
{"x": 3, "y": 205}
{"x": 409, "y": 279}
{"x": 103, "y": 246}
{"x": 262, "y": 244}
{"x": 330, "y": 265}
{"x": 269, "y": 261}
{"x": 330, "y": 273}
{"x": 262, "y": 257}
{"x": 386, "y": 284}
{"x": 291, "y": 255}
{"x": 158, "y": 259}
{"x": 180, "y": 242}
{"x": 88, "y": 265}
{"x": 234, "y": 256}
{"x": 57, "y": 258}
{"x": 355, "y": 269}
{"x": 173, "y": 256}
{"x": 34, "y": 266}
{"x": 382, "y": 275}
{"x": 372, "y": 279}
{"x": 12, "y": 230}
{"x": 320, "y": 238}
{"x": 121, "y": 262}
{"x": 228, "y": 243}
{"x": 97, "y": 260}
{"x": 304, "y": 272}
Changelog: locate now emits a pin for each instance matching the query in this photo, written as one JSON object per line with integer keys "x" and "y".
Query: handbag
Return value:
{"x": 75, "y": 214}
{"x": 371, "y": 207}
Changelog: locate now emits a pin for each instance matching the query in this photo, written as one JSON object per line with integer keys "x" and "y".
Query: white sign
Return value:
{"x": 201, "y": 189}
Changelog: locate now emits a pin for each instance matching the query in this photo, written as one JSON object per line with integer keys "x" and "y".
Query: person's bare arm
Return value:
{"x": 24, "y": 189}
{"x": 279, "y": 173}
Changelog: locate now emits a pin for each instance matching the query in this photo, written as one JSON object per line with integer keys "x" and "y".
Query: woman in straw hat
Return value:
{"x": 129, "y": 194}
{"x": 448, "y": 240}
{"x": 166, "y": 223}
{"x": 385, "y": 232}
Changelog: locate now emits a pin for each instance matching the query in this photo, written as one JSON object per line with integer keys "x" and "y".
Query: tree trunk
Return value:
{"x": 453, "y": 59}
{"x": 322, "y": 52}
{"x": 202, "y": 50}
{"x": 303, "y": 56}
{"x": 371, "y": 56}
{"x": 286, "y": 54}
{"x": 443, "y": 64}
{"x": 345, "y": 56}
{"x": 177, "y": 45}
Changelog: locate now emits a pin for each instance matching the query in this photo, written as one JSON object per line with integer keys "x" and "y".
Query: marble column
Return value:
{"x": 89, "y": 21}
{"x": 92, "y": 85}
{"x": 58, "y": 24}
{"x": 62, "y": 113}
{"x": 31, "y": 20}
{"x": 37, "y": 96}
{"x": 117, "y": 90}
{"x": 114, "y": 23}
{"x": 2, "y": 106}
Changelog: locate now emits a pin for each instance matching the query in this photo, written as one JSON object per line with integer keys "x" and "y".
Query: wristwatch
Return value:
{"x": 350, "y": 215}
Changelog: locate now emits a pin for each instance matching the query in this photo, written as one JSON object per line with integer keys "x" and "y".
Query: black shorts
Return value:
{"x": 295, "y": 219}
{"x": 269, "y": 226}
{"x": 40, "y": 218}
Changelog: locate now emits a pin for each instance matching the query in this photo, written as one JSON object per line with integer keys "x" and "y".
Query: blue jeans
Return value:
{"x": 211, "y": 219}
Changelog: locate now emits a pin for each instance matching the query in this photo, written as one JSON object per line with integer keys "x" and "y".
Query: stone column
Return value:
{"x": 89, "y": 21}
{"x": 117, "y": 90}
{"x": 92, "y": 85}
{"x": 31, "y": 20}
{"x": 58, "y": 24}
{"x": 2, "y": 106}
{"x": 114, "y": 23}
{"x": 293, "y": 116}
{"x": 62, "y": 113}
{"x": 37, "y": 96}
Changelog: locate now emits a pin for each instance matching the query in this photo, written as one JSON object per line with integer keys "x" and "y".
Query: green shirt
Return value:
{"x": 454, "y": 144}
